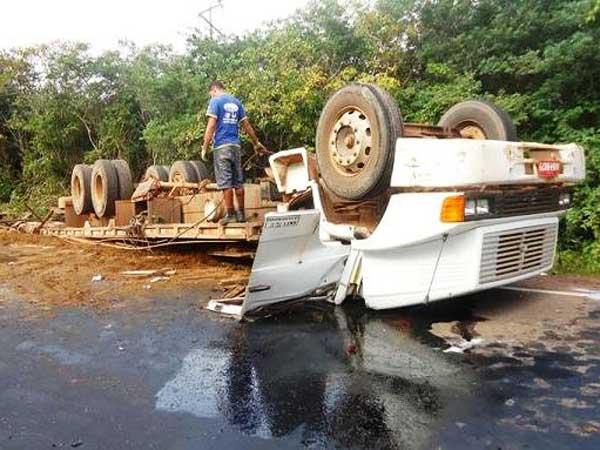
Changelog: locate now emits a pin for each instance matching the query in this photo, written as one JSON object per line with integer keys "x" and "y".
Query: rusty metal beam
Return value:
{"x": 420, "y": 130}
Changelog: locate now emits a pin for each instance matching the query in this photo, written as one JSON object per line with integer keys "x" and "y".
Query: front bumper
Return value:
{"x": 482, "y": 257}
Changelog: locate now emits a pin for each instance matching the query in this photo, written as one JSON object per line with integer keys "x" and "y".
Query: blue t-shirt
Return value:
{"x": 229, "y": 112}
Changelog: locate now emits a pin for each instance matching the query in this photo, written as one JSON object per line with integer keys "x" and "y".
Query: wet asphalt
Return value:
{"x": 162, "y": 373}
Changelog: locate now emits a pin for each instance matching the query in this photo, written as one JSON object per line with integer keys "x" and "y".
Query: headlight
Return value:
{"x": 483, "y": 206}
{"x": 476, "y": 207}
{"x": 564, "y": 199}
{"x": 470, "y": 206}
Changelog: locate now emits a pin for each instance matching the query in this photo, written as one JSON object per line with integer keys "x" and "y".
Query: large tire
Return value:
{"x": 104, "y": 187}
{"x": 124, "y": 179}
{"x": 479, "y": 119}
{"x": 159, "y": 173}
{"x": 183, "y": 171}
{"x": 81, "y": 181}
{"x": 358, "y": 113}
{"x": 396, "y": 127}
{"x": 201, "y": 170}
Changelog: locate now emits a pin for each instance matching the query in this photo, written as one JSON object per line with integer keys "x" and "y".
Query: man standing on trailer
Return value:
{"x": 225, "y": 116}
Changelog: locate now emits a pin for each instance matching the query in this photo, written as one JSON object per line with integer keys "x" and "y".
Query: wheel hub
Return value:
{"x": 350, "y": 141}
{"x": 472, "y": 131}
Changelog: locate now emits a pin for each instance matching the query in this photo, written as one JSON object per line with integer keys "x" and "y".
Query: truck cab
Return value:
{"x": 405, "y": 214}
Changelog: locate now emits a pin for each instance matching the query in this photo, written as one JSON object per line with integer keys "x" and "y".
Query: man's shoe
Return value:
{"x": 229, "y": 218}
{"x": 240, "y": 216}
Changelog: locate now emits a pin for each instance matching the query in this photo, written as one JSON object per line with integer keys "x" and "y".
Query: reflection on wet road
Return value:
{"x": 282, "y": 376}
{"x": 167, "y": 375}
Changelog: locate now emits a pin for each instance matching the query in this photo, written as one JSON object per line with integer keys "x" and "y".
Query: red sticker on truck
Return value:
{"x": 548, "y": 169}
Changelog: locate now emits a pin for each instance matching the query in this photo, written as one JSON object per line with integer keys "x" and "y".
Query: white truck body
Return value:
{"x": 412, "y": 257}
{"x": 436, "y": 163}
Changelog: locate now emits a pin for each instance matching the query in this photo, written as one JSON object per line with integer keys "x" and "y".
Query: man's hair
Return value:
{"x": 217, "y": 84}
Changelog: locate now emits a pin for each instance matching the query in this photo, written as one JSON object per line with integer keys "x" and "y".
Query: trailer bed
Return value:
{"x": 206, "y": 232}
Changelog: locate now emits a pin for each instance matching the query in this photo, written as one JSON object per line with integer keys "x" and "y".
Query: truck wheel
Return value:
{"x": 124, "y": 179}
{"x": 201, "y": 170}
{"x": 159, "y": 173}
{"x": 81, "y": 181}
{"x": 396, "y": 127}
{"x": 478, "y": 119}
{"x": 356, "y": 138}
{"x": 105, "y": 187}
{"x": 183, "y": 171}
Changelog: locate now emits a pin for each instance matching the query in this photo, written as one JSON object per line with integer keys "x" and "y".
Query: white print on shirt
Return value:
{"x": 231, "y": 113}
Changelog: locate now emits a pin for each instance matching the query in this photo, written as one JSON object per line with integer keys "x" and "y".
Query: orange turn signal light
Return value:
{"x": 453, "y": 209}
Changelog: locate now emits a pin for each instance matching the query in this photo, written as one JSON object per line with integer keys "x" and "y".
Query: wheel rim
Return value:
{"x": 471, "y": 130}
{"x": 77, "y": 189}
{"x": 99, "y": 191}
{"x": 350, "y": 142}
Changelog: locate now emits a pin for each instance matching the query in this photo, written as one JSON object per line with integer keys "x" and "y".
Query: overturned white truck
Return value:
{"x": 403, "y": 214}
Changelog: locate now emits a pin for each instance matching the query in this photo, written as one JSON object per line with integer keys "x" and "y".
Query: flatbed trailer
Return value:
{"x": 167, "y": 213}
{"x": 174, "y": 232}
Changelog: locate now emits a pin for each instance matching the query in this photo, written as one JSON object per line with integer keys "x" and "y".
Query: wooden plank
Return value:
{"x": 164, "y": 210}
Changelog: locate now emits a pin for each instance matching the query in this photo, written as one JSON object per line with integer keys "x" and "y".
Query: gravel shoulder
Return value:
{"x": 49, "y": 272}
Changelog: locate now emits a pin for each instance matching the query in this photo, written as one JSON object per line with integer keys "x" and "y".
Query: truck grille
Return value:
{"x": 520, "y": 202}
{"x": 535, "y": 201}
{"x": 510, "y": 253}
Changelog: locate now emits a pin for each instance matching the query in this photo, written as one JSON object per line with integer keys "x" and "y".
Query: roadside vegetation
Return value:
{"x": 61, "y": 104}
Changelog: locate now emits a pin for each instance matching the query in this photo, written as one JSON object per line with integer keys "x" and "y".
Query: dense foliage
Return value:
{"x": 60, "y": 104}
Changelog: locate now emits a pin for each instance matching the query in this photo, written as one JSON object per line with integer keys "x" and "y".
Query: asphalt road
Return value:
{"x": 162, "y": 373}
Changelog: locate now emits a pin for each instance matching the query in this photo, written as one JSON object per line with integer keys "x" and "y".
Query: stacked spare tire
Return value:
{"x": 96, "y": 188}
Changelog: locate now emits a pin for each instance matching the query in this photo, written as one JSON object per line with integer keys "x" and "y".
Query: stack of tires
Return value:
{"x": 96, "y": 188}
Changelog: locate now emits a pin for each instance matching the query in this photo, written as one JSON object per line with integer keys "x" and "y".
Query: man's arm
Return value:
{"x": 209, "y": 134}
{"x": 258, "y": 147}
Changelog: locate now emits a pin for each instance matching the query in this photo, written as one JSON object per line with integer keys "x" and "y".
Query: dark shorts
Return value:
{"x": 228, "y": 167}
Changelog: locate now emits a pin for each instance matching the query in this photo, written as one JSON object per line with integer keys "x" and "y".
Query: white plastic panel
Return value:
{"x": 468, "y": 162}
{"x": 291, "y": 261}
{"x": 290, "y": 170}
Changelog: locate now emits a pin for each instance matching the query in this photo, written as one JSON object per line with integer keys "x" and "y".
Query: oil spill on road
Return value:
{"x": 289, "y": 376}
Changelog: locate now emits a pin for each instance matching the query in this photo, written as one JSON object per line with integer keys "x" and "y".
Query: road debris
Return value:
{"x": 97, "y": 278}
{"x": 157, "y": 279}
{"x": 165, "y": 272}
{"x": 464, "y": 345}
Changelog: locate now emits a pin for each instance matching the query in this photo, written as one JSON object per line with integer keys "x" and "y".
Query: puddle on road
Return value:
{"x": 196, "y": 387}
{"x": 349, "y": 377}
{"x": 289, "y": 375}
